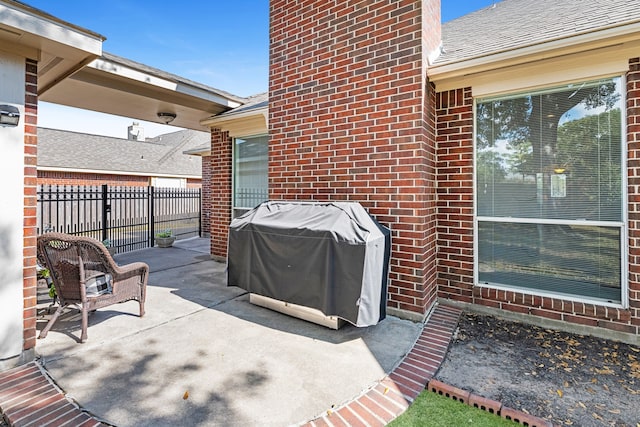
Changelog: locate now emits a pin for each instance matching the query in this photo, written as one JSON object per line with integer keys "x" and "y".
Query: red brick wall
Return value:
{"x": 75, "y": 178}
{"x": 78, "y": 178}
{"x": 220, "y": 196}
{"x": 633, "y": 171}
{"x": 30, "y": 201}
{"x": 455, "y": 194}
{"x": 455, "y": 221}
{"x": 194, "y": 182}
{"x": 206, "y": 194}
{"x": 431, "y": 30}
{"x": 348, "y": 120}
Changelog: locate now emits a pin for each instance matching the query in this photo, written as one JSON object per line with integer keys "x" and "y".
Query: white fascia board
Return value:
{"x": 201, "y": 152}
{"x": 530, "y": 53}
{"x": 27, "y": 20}
{"x": 113, "y": 172}
{"x": 231, "y": 116}
{"x": 120, "y": 70}
{"x": 258, "y": 117}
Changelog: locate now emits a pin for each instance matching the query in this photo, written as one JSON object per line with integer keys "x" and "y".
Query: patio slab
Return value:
{"x": 239, "y": 363}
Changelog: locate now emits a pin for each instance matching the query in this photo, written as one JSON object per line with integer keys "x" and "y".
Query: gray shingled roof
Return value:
{"x": 162, "y": 155}
{"x": 254, "y": 102}
{"x": 512, "y": 24}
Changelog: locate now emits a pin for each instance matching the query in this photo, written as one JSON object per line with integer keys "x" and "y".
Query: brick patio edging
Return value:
{"x": 29, "y": 397}
{"x": 488, "y": 405}
{"x": 391, "y": 396}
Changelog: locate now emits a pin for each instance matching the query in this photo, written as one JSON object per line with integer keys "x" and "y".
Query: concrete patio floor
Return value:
{"x": 239, "y": 363}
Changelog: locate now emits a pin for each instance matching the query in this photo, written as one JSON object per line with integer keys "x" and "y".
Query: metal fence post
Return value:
{"x": 106, "y": 208}
{"x": 200, "y": 214}
{"x": 152, "y": 217}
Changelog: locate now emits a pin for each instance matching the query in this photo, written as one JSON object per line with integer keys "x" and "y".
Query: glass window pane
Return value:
{"x": 250, "y": 168}
{"x": 567, "y": 259}
{"x": 553, "y": 155}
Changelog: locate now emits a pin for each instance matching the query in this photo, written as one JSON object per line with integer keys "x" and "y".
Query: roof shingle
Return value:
{"x": 162, "y": 155}
{"x": 512, "y": 24}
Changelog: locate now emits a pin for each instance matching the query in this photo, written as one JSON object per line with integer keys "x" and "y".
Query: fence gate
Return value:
{"x": 129, "y": 217}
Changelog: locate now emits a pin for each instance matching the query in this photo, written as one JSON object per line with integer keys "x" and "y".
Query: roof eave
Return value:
{"x": 244, "y": 123}
{"x": 202, "y": 152}
{"x": 213, "y": 121}
{"x": 60, "y": 48}
{"x": 534, "y": 52}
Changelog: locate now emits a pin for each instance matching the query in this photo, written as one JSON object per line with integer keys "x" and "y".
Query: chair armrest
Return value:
{"x": 129, "y": 270}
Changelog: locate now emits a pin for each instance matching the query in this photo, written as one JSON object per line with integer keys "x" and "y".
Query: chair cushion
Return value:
{"x": 99, "y": 285}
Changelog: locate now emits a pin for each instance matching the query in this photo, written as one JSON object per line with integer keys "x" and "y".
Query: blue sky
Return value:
{"x": 219, "y": 43}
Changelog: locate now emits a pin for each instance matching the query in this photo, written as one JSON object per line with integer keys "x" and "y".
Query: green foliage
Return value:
{"x": 430, "y": 409}
{"x": 43, "y": 273}
{"x": 165, "y": 233}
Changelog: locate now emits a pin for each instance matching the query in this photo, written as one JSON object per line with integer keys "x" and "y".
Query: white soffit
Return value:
{"x": 245, "y": 123}
{"x": 125, "y": 88}
{"x": 59, "y": 47}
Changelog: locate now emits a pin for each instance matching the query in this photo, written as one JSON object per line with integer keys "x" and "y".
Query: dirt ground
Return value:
{"x": 569, "y": 379}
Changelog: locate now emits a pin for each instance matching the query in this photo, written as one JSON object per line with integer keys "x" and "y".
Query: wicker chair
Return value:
{"x": 74, "y": 261}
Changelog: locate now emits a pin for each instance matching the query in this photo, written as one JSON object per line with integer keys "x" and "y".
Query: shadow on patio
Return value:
{"x": 236, "y": 363}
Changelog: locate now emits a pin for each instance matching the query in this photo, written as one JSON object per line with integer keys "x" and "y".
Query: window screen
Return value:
{"x": 549, "y": 191}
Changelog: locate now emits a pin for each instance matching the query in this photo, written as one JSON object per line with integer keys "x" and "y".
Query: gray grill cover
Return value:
{"x": 333, "y": 257}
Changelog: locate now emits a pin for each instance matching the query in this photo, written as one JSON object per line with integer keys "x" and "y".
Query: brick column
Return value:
{"x": 206, "y": 194}
{"x": 455, "y": 194}
{"x": 633, "y": 171}
{"x": 30, "y": 204}
{"x": 220, "y": 191}
{"x": 349, "y": 117}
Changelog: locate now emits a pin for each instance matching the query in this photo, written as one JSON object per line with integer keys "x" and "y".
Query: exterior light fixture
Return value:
{"x": 167, "y": 117}
{"x": 9, "y": 115}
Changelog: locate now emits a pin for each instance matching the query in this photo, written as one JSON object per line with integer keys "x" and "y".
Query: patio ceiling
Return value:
{"x": 115, "y": 85}
{"x": 59, "y": 47}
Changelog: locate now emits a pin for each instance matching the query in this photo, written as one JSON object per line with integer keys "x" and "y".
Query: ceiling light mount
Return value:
{"x": 166, "y": 117}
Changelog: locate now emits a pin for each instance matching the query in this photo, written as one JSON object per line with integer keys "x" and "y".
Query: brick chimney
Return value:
{"x": 351, "y": 117}
{"x": 135, "y": 132}
{"x": 432, "y": 29}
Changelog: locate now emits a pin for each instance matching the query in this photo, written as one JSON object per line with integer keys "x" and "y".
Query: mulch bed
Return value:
{"x": 566, "y": 378}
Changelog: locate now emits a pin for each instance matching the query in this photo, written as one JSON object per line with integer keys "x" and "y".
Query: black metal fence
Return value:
{"x": 128, "y": 217}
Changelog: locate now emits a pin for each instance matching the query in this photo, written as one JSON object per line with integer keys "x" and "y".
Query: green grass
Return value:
{"x": 431, "y": 409}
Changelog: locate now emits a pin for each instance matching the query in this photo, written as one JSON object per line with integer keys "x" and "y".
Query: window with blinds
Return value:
{"x": 549, "y": 190}
{"x": 250, "y": 173}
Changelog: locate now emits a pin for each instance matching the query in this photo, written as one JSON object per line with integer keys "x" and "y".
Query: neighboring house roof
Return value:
{"x": 514, "y": 24}
{"x": 159, "y": 156}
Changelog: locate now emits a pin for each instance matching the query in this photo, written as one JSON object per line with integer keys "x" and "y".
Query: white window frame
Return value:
{"x": 623, "y": 225}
